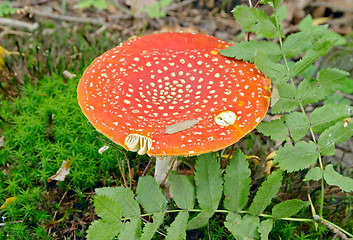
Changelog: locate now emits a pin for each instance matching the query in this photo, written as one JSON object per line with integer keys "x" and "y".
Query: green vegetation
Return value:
{"x": 42, "y": 125}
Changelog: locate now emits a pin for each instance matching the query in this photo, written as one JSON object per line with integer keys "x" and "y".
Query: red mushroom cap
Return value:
{"x": 173, "y": 94}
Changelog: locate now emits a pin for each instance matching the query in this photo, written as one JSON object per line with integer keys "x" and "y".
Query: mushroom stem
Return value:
{"x": 163, "y": 164}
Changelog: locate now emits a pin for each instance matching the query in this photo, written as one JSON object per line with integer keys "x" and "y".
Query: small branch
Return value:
{"x": 121, "y": 170}
{"x": 18, "y": 24}
{"x": 93, "y": 21}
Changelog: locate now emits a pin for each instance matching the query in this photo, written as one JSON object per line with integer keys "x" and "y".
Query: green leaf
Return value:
{"x": 334, "y": 178}
{"x": 330, "y": 79}
{"x": 103, "y": 230}
{"x": 124, "y": 197}
{"x": 255, "y": 20}
{"x": 208, "y": 179}
{"x": 131, "y": 230}
{"x": 101, "y": 4}
{"x": 335, "y": 135}
{"x": 314, "y": 174}
{"x": 276, "y": 129}
{"x": 266, "y": 192}
{"x": 309, "y": 91}
{"x": 149, "y": 195}
{"x": 288, "y": 208}
{"x": 328, "y": 115}
{"x": 265, "y": 228}
{"x": 287, "y": 101}
{"x": 177, "y": 230}
{"x": 309, "y": 58}
{"x": 297, "y": 43}
{"x": 237, "y": 183}
{"x": 200, "y": 220}
{"x": 347, "y": 86}
{"x": 277, "y": 72}
{"x": 298, "y": 124}
{"x": 306, "y": 23}
{"x": 107, "y": 209}
{"x": 150, "y": 228}
{"x": 183, "y": 191}
{"x": 337, "y": 99}
{"x": 246, "y": 50}
{"x": 295, "y": 158}
{"x": 242, "y": 228}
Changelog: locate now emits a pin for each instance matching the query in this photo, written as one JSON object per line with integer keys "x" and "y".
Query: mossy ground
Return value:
{"x": 42, "y": 125}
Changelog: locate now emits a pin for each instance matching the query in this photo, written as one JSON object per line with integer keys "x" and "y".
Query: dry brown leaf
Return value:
{"x": 62, "y": 172}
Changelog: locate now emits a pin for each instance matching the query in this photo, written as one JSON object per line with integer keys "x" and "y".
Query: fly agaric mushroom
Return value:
{"x": 172, "y": 94}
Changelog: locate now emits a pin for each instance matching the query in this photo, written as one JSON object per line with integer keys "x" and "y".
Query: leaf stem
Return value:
{"x": 322, "y": 197}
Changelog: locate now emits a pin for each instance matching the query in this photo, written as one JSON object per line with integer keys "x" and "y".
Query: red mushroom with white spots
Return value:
{"x": 172, "y": 94}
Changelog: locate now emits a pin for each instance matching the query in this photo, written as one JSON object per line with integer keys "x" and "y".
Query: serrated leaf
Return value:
{"x": 330, "y": 79}
{"x": 309, "y": 91}
{"x": 294, "y": 158}
{"x": 103, "y": 230}
{"x": 242, "y": 228}
{"x": 183, "y": 191}
{"x": 177, "y": 230}
{"x": 265, "y": 228}
{"x": 107, "y": 209}
{"x": 131, "y": 230}
{"x": 237, "y": 183}
{"x": 328, "y": 115}
{"x": 287, "y": 101}
{"x": 297, "y": 43}
{"x": 255, "y": 20}
{"x": 314, "y": 174}
{"x": 266, "y": 192}
{"x": 288, "y": 208}
{"x": 246, "y": 50}
{"x": 277, "y": 72}
{"x": 149, "y": 195}
{"x": 123, "y": 197}
{"x": 298, "y": 124}
{"x": 208, "y": 179}
{"x": 200, "y": 220}
{"x": 150, "y": 228}
{"x": 276, "y": 129}
{"x": 337, "y": 134}
{"x": 334, "y": 178}
{"x": 337, "y": 99}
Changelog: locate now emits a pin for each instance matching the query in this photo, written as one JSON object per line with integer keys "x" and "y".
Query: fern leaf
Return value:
{"x": 149, "y": 195}
{"x": 131, "y": 230}
{"x": 265, "y": 228}
{"x": 107, "y": 209}
{"x": 150, "y": 228}
{"x": 288, "y": 208}
{"x": 200, "y": 220}
{"x": 328, "y": 115}
{"x": 336, "y": 134}
{"x": 298, "y": 124}
{"x": 103, "y": 230}
{"x": 123, "y": 197}
{"x": 242, "y": 228}
{"x": 237, "y": 183}
{"x": 334, "y": 178}
{"x": 255, "y": 20}
{"x": 266, "y": 192}
{"x": 298, "y": 157}
{"x": 183, "y": 191}
{"x": 177, "y": 230}
{"x": 208, "y": 178}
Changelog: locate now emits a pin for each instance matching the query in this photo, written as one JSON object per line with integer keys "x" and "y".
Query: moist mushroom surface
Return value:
{"x": 173, "y": 94}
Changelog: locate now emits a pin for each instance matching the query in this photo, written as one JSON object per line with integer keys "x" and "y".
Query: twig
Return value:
{"x": 129, "y": 169}
{"x": 18, "y": 24}
{"x": 3, "y": 224}
{"x": 93, "y": 21}
{"x": 170, "y": 169}
{"x": 148, "y": 164}
{"x": 121, "y": 171}
{"x": 332, "y": 227}
{"x": 175, "y": 6}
